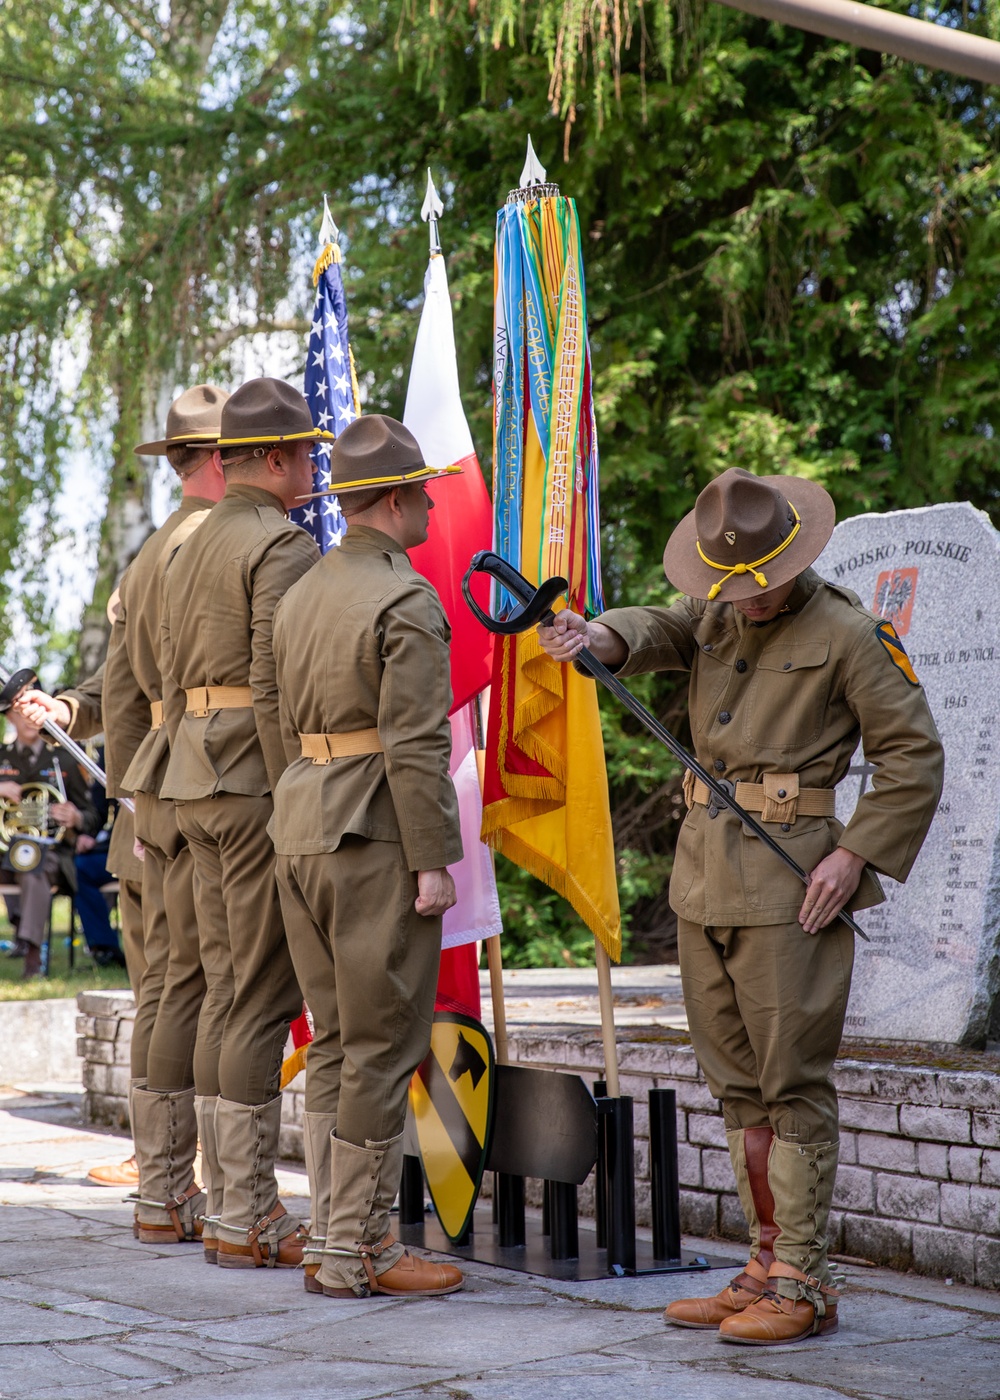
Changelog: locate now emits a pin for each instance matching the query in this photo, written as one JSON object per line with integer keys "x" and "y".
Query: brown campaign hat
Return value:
{"x": 268, "y": 410}
{"x": 193, "y": 419}
{"x": 377, "y": 451}
{"x": 748, "y": 533}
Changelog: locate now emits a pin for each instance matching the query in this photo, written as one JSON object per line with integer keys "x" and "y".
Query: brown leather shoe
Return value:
{"x": 776, "y": 1321}
{"x": 256, "y": 1253}
{"x": 409, "y": 1277}
{"x": 708, "y": 1313}
{"x": 116, "y": 1174}
{"x": 32, "y": 963}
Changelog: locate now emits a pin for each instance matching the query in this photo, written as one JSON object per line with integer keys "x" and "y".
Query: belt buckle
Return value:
{"x": 714, "y": 805}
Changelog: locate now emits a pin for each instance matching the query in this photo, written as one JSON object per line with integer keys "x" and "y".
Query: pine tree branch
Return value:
{"x": 154, "y": 40}
{"x": 211, "y": 345}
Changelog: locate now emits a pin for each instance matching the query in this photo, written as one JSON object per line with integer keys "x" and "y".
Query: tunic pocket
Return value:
{"x": 786, "y": 700}
{"x": 767, "y": 882}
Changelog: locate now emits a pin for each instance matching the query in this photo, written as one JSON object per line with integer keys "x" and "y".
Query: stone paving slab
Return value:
{"x": 86, "y": 1312}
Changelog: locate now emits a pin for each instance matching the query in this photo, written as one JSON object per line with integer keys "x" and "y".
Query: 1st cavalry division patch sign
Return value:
{"x": 451, "y": 1098}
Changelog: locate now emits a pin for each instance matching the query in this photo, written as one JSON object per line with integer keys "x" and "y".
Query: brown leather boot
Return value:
{"x": 409, "y": 1277}
{"x": 260, "y": 1253}
{"x": 773, "y": 1320}
{"x": 708, "y": 1313}
{"x": 32, "y": 962}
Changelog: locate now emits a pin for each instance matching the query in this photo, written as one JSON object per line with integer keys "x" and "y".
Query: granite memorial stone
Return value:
{"x": 931, "y": 971}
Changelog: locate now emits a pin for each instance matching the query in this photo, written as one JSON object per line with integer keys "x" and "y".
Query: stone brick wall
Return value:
{"x": 919, "y": 1180}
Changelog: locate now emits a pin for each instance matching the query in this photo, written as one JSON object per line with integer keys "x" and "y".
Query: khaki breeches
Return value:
{"x": 766, "y": 1013}
{"x": 169, "y": 1000}
{"x": 130, "y": 909}
{"x": 368, "y": 966}
{"x": 251, "y": 994}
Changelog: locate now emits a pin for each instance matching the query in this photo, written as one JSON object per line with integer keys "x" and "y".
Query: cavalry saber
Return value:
{"x": 536, "y": 607}
{"x": 26, "y": 679}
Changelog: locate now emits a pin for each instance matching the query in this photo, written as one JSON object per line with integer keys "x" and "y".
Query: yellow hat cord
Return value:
{"x": 753, "y": 568}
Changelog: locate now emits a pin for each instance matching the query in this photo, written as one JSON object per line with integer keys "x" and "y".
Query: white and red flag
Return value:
{"x": 460, "y": 523}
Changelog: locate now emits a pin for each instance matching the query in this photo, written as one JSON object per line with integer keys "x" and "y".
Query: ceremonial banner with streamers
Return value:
{"x": 546, "y": 791}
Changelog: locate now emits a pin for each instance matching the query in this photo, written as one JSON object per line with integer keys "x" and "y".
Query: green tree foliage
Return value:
{"x": 792, "y": 252}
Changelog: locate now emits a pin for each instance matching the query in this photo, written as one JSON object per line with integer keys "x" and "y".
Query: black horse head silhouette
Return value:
{"x": 467, "y": 1060}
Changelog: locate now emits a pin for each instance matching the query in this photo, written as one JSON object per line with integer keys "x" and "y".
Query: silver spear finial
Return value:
{"x": 430, "y": 211}
{"x": 534, "y": 184}
{"x": 328, "y": 230}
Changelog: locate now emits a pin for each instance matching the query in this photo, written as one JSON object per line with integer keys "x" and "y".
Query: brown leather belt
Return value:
{"x": 155, "y": 714}
{"x": 322, "y": 747}
{"x": 778, "y": 798}
{"x": 203, "y": 698}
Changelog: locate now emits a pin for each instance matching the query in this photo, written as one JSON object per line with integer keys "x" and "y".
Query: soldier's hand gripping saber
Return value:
{"x": 26, "y": 679}
{"x": 536, "y": 607}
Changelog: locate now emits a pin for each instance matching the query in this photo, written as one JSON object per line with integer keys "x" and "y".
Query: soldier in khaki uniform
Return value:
{"x": 171, "y": 984}
{"x": 226, "y": 756}
{"x": 788, "y": 673}
{"x": 365, "y": 822}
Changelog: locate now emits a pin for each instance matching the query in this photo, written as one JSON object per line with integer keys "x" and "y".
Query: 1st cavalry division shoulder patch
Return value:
{"x": 886, "y": 634}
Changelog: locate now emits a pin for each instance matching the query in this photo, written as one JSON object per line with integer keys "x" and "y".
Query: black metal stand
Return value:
{"x": 411, "y": 1192}
{"x": 509, "y": 1191}
{"x": 564, "y": 1237}
{"x": 617, "y": 1115}
{"x": 663, "y": 1175}
{"x": 601, "y": 1172}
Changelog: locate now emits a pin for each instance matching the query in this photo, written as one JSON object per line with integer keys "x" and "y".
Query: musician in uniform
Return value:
{"x": 226, "y": 756}
{"x": 365, "y": 825}
{"x": 788, "y": 673}
{"x": 29, "y": 759}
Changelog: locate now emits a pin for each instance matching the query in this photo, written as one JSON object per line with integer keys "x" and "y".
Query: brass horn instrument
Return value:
{"x": 25, "y": 826}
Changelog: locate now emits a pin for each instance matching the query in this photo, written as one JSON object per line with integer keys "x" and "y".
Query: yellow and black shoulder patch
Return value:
{"x": 886, "y": 634}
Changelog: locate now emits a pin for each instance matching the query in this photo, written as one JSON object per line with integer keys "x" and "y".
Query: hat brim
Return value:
{"x": 313, "y": 435}
{"x": 687, "y": 572}
{"x": 157, "y": 449}
{"x": 398, "y": 479}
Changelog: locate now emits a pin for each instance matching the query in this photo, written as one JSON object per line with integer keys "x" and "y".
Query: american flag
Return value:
{"x": 330, "y": 391}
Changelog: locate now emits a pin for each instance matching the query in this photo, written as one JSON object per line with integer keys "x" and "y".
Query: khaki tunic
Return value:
{"x": 362, "y": 643}
{"x": 219, "y": 595}
{"x": 791, "y": 696}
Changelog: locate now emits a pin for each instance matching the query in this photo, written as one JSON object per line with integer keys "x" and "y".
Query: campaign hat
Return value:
{"x": 193, "y": 420}
{"x": 748, "y": 532}
{"x": 268, "y": 410}
{"x": 377, "y": 451}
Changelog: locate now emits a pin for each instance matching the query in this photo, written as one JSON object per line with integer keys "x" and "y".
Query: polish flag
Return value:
{"x": 460, "y": 523}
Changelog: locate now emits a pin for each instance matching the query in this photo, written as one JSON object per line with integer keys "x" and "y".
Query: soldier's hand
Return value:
{"x": 37, "y": 707}
{"x": 65, "y": 813}
{"x": 567, "y": 636}
{"x": 10, "y": 792}
{"x": 84, "y": 845}
{"x": 138, "y": 849}
{"x": 831, "y": 885}
{"x": 435, "y": 892}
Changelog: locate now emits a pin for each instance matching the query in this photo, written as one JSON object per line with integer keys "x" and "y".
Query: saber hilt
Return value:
{"x": 536, "y": 607}
{"x": 27, "y": 679}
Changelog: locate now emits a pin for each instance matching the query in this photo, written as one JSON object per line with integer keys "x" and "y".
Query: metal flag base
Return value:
{"x": 557, "y": 1245}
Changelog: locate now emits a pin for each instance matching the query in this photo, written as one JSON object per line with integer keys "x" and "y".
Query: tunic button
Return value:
{"x": 781, "y": 792}
{"x": 785, "y": 826}
{"x": 741, "y": 666}
{"x": 725, "y": 717}
{"x": 707, "y": 646}
{"x": 787, "y": 666}
{"x": 720, "y": 767}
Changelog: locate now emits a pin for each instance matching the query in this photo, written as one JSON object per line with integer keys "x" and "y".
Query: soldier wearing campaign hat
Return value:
{"x": 125, "y": 700}
{"x": 788, "y": 673}
{"x": 365, "y": 826}
{"x": 226, "y": 756}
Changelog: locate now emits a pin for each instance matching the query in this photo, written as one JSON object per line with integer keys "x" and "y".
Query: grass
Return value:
{"x": 62, "y": 980}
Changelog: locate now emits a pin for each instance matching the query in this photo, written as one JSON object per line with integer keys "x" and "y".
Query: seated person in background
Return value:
{"x": 91, "y": 874}
{"x": 28, "y": 760}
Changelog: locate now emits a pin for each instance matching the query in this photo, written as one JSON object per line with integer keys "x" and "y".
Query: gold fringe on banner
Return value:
{"x": 330, "y": 254}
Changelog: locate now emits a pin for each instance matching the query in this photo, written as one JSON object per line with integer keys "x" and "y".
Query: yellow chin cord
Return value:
{"x": 753, "y": 568}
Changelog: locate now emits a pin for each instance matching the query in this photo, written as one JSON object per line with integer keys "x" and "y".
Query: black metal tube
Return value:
{"x": 601, "y": 1172}
{"x": 546, "y": 1213}
{"x": 565, "y": 1233}
{"x": 510, "y": 1211}
{"x": 664, "y": 1186}
{"x": 411, "y": 1192}
{"x": 617, "y": 1114}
